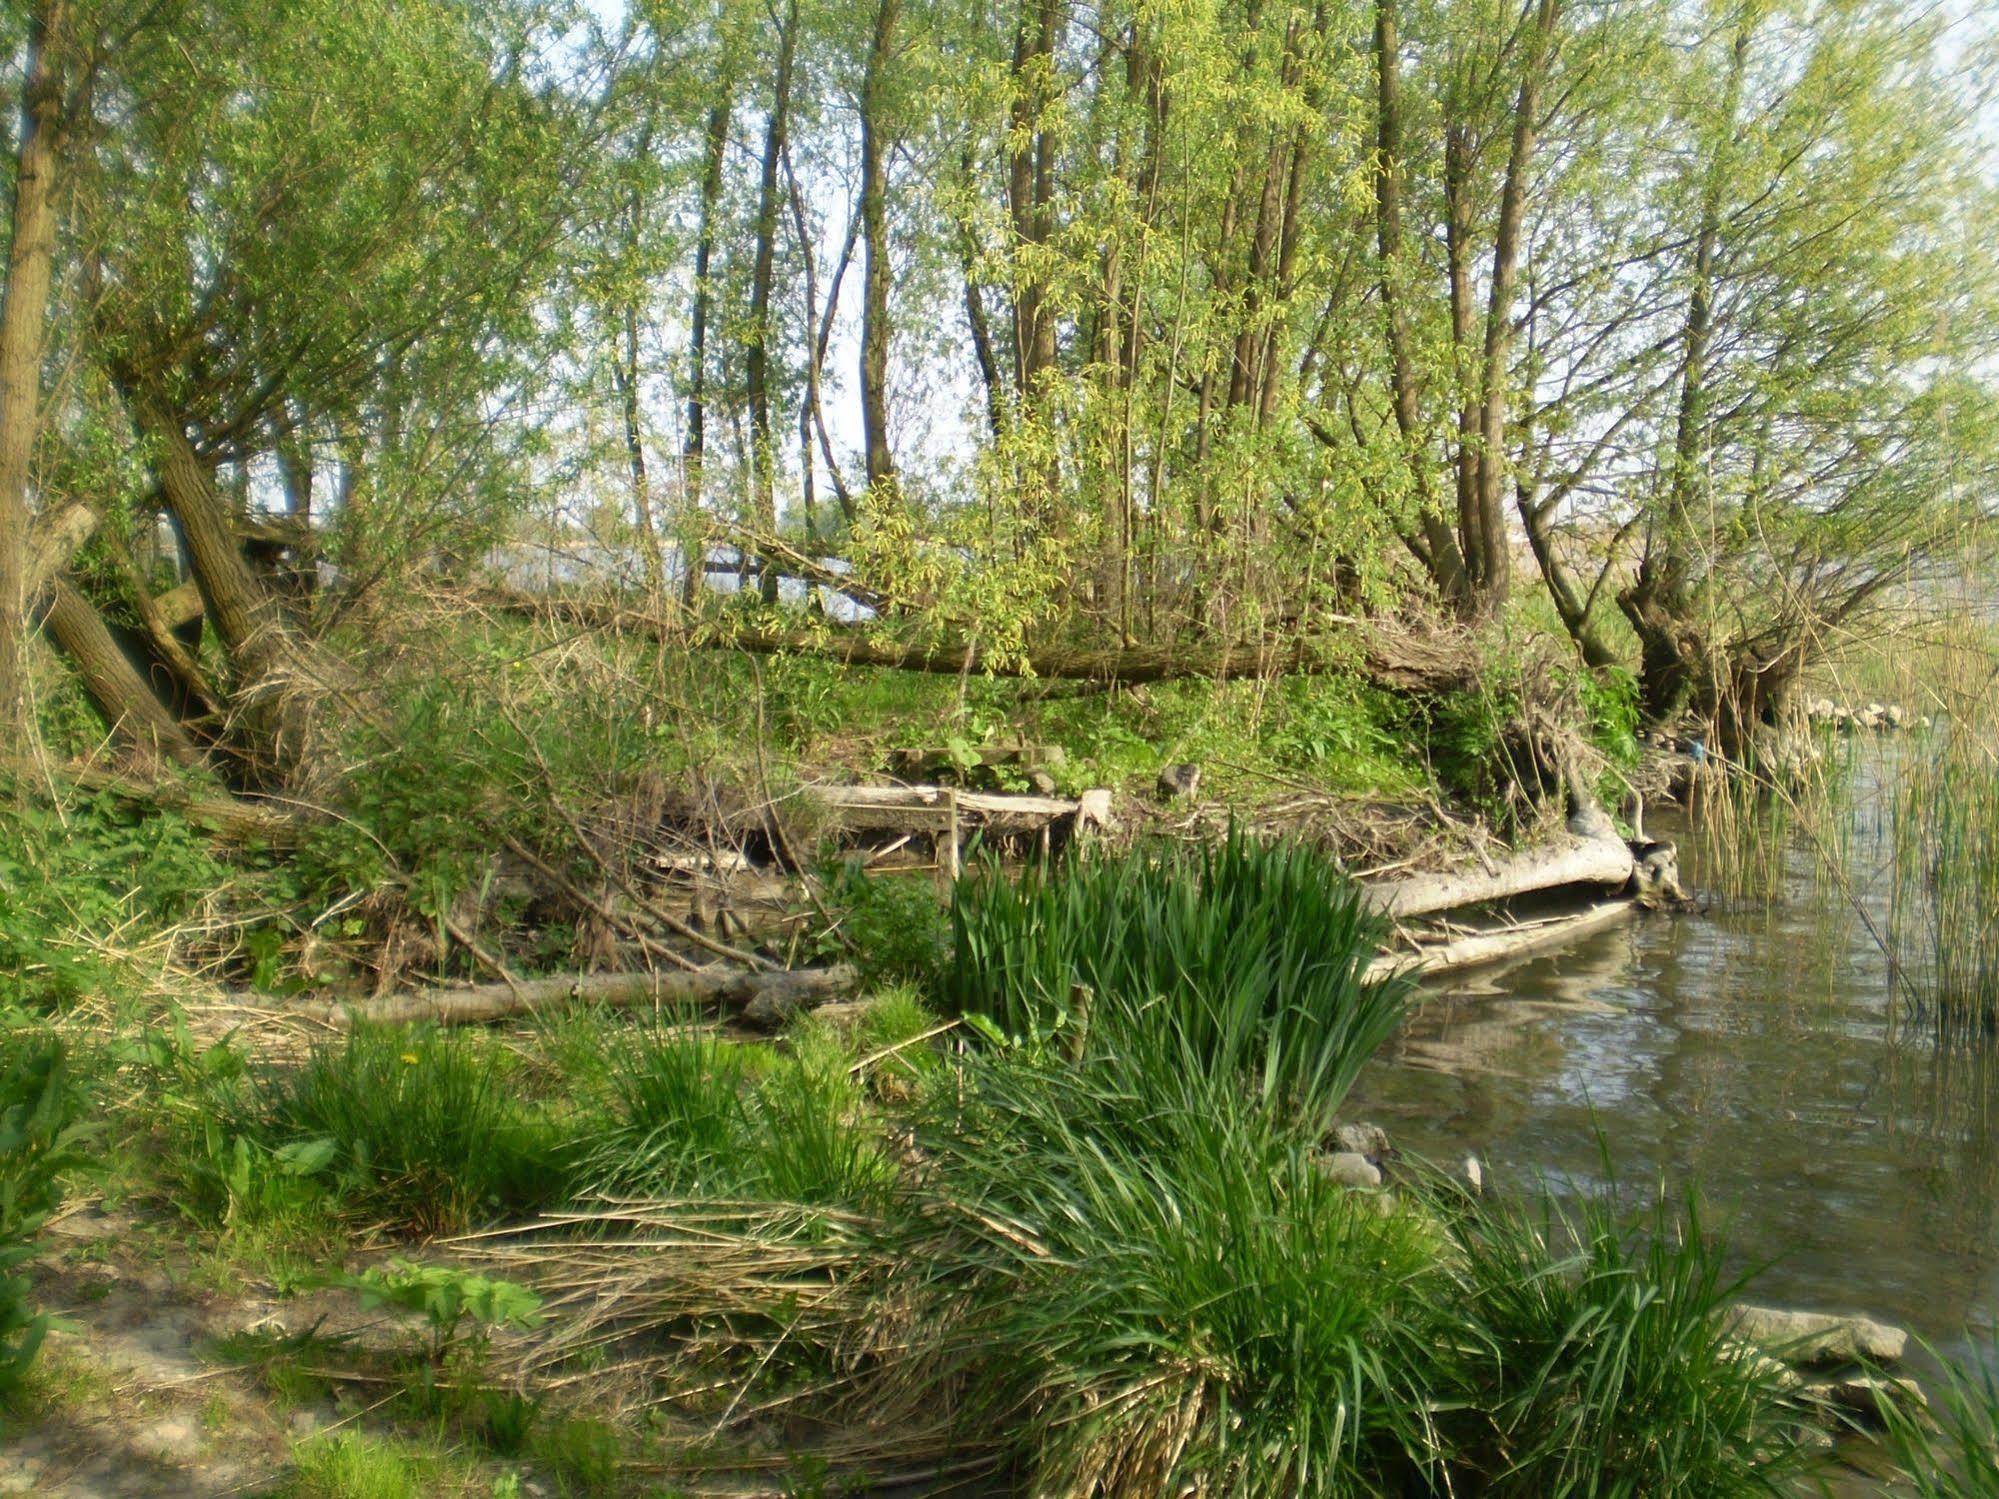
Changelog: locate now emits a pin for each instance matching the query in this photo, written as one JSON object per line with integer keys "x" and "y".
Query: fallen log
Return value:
{"x": 1409, "y": 661}
{"x": 1501, "y": 944}
{"x": 1603, "y": 862}
{"x": 772, "y": 997}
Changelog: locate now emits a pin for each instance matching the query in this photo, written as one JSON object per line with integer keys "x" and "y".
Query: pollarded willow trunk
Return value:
{"x": 266, "y": 700}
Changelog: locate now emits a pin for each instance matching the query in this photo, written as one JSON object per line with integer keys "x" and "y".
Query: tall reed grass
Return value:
{"x": 1247, "y": 960}
{"x": 1944, "y": 924}
{"x": 1950, "y": 1449}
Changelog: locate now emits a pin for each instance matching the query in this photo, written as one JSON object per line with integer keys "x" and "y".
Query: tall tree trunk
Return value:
{"x": 977, "y": 321}
{"x": 1495, "y": 564}
{"x": 1030, "y": 206}
{"x": 1438, "y": 547}
{"x": 756, "y": 364}
{"x": 1458, "y": 226}
{"x": 812, "y": 417}
{"x": 694, "y": 450}
{"x": 23, "y": 324}
{"x": 625, "y": 373}
{"x": 1657, "y": 603}
{"x": 879, "y": 271}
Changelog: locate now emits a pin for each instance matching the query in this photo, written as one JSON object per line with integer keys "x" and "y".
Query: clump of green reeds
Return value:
{"x": 1257, "y": 953}
{"x": 1593, "y": 1356}
{"x": 690, "y": 1114}
{"x": 1949, "y": 1448}
{"x": 1140, "y": 1284}
{"x": 418, "y": 1129}
{"x": 1944, "y": 926}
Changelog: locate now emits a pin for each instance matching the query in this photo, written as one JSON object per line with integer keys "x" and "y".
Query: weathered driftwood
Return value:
{"x": 1474, "y": 949}
{"x": 871, "y": 808}
{"x": 767, "y": 997}
{"x": 1602, "y": 862}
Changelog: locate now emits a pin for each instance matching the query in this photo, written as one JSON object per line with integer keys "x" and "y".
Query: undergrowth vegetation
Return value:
{"x": 1079, "y": 1236}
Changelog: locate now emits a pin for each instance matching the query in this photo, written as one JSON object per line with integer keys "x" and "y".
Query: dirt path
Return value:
{"x": 122, "y": 1401}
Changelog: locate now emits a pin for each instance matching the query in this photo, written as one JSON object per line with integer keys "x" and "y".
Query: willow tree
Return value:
{"x": 280, "y": 245}
{"x": 1823, "y": 431}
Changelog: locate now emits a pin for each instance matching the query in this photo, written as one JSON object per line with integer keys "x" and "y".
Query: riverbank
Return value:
{"x": 818, "y": 1229}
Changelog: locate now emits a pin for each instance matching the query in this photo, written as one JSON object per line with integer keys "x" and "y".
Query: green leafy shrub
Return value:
{"x": 894, "y": 928}
{"x": 1330, "y": 724}
{"x": 1610, "y": 699}
{"x": 1258, "y": 952}
{"x": 447, "y": 1296}
{"x": 76, "y": 878}
{"x": 41, "y": 1134}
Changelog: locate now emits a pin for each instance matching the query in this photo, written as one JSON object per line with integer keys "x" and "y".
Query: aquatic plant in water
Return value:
{"x": 1944, "y": 925}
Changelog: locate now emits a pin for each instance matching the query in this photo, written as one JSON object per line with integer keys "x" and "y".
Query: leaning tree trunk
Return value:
{"x": 265, "y": 729}
{"x": 23, "y": 320}
{"x": 124, "y": 698}
{"x": 879, "y": 271}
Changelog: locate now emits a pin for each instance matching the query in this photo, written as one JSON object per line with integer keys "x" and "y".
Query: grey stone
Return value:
{"x": 1865, "y": 1397}
{"x": 1817, "y": 1339}
{"x": 1183, "y": 779}
{"x": 1347, "y": 1168}
{"x": 1361, "y": 1139}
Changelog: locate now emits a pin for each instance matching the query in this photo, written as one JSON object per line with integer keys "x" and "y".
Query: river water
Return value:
{"x": 1755, "y": 1052}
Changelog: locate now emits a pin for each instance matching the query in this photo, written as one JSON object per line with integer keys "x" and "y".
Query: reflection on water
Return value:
{"x": 1752, "y": 1052}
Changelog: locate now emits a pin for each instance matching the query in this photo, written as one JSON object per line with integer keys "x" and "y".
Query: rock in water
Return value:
{"x": 1348, "y": 1168}
{"x": 1182, "y": 779}
{"x": 1868, "y": 1399}
{"x": 1817, "y": 1339}
{"x": 1362, "y": 1139}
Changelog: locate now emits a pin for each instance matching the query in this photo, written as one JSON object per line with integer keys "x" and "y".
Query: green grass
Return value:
{"x": 1950, "y": 1451}
{"x": 690, "y": 1114}
{"x": 1591, "y": 1357}
{"x": 1257, "y": 954}
{"x": 356, "y": 1465}
{"x": 417, "y": 1127}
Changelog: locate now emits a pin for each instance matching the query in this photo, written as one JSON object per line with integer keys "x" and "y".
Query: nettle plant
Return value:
{"x": 447, "y": 1297}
